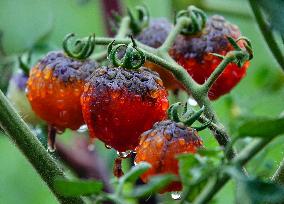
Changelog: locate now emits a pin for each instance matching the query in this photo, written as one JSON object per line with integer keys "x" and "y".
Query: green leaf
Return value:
{"x": 73, "y": 188}
{"x": 216, "y": 152}
{"x": 258, "y": 191}
{"x": 262, "y": 127}
{"x": 253, "y": 190}
{"x": 235, "y": 172}
{"x": 135, "y": 172}
{"x": 275, "y": 12}
{"x": 186, "y": 163}
{"x": 155, "y": 184}
{"x": 195, "y": 170}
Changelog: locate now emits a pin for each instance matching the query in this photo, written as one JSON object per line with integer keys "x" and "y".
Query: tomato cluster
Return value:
{"x": 127, "y": 109}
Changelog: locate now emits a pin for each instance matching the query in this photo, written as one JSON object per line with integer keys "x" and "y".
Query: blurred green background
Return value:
{"x": 261, "y": 93}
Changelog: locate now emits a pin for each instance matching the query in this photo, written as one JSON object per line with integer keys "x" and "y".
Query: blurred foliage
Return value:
{"x": 275, "y": 14}
{"x": 77, "y": 187}
{"x": 262, "y": 127}
{"x": 260, "y": 94}
{"x": 252, "y": 190}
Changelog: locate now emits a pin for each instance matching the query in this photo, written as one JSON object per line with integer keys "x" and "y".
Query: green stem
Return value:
{"x": 178, "y": 71}
{"x": 230, "y": 57}
{"x": 106, "y": 41}
{"x": 267, "y": 33}
{"x": 219, "y": 130}
{"x": 279, "y": 174}
{"x": 241, "y": 159}
{"x": 250, "y": 151}
{"x": 212, "y": 126}
{"x": 122, "y": 32}
{"x": 181, "y": 23}
{"x": 18, "y": 131}
{"x": 124, "y": 27}
{"x": 163, "y": 59}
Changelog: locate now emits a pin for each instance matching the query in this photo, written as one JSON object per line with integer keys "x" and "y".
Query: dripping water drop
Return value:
{"x": 192, "y": 102}
{"x": 124, "y": 154}
{"x": 82, "y": 128}
{"x": 108, "y": 146}
{"x": 91, "y": 147}
{"x": 176, "y": 195}
{"x": 50, "y": 149}
{"x": 58, "y": 131}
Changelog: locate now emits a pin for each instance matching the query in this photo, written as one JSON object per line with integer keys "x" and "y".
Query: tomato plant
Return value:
{"x": 135, "y": 100}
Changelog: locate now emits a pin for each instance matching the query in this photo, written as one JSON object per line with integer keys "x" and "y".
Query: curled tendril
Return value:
{"x": 188, "y": 115}
{"x": 173, "y": 112}
{"x": 248, "y": 45}
{"x": 248, "y": 48}
{"x": 133, "y": 57}
{"x": 198, "y": 20}
{"x": 142, "y": 20}
{"x": 25, "y": 66}
{"x": 81, "y": 48}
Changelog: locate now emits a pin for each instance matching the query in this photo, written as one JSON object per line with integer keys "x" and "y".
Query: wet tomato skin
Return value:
{"x": 160, "y": 145}
{"x": 194, "y": 54}
{"x": 118, "y": 105}
{"x": 54, "y": 89}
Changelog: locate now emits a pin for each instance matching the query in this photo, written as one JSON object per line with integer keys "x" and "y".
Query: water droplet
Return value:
{"x": 91, "y": 147}
{"x": 115, "y": 94}
{"x": 59, "y": 131}
{"x": 83, "y": 128}
{"x": 165, "y": 104}
{"x": 159, "y": 144}
{"x": 47, "y": 73}
{"x": 63, "y": 114}
{"x": 135, "y": 163}
{"x": 77, "y": 92}
{"x": 86, "y": 87}
{"x": 124, "y": 154}
{"x": 168, "y": 137}
{"x": 159, "y": 81}
{"x": 108, "y": 146}
{"x": 50, "y": 89}
{"x": 192, "y": 102}
{"x": 61, "y": 92}
{"x": 181, "y": 141}
{"x": 50, "y": 149}
{"x": 154, "y": 93}
{"x": 176, "y": 195}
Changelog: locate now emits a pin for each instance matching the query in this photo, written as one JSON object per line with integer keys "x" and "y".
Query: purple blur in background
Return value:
{"x": 108, "y": 7}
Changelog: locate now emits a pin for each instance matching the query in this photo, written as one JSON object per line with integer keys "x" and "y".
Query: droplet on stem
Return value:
{"x": 192, "y": 102}
{"x": 51, "y": 136}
